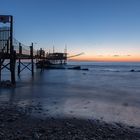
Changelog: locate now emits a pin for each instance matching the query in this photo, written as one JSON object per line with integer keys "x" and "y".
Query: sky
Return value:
{"x": 105, "y": 30}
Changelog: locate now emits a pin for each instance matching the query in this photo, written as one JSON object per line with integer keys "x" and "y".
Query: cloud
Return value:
{"x": 128, "y": 55}
{"x": 116, "y": 55}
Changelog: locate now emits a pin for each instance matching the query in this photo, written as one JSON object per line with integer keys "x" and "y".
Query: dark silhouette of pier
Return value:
{"x": 11, "y": 50}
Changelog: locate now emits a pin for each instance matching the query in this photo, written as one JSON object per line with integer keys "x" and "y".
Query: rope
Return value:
{"x": 25, "y": 48}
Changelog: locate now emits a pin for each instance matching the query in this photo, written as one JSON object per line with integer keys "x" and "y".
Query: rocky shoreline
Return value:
{"x": 6, "y": 84}
{"x": 16, "y": 123}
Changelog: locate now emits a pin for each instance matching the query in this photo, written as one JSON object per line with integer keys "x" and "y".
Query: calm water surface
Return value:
{"x": 108, "y": 91}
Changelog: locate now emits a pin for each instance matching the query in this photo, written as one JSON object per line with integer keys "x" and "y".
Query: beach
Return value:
{"x": 102, "y": 103}
{"x": 16, "y": 123}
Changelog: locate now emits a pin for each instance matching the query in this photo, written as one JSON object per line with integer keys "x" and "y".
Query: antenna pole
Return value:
{"x": 53, "y": 49}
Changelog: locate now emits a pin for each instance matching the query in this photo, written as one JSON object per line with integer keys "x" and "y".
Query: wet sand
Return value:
{"x": 19, "y": 123}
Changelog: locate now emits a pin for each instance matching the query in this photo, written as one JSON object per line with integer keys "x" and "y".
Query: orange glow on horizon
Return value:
{"x": 108, "y": 58}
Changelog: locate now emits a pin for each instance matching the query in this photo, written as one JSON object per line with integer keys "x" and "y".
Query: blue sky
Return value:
{"x": 100, "y": 28}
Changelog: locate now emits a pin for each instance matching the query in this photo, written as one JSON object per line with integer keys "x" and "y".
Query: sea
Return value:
{"x": 109, "y": 91}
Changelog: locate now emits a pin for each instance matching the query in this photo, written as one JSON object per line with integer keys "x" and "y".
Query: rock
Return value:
{"x": 132, "y": 70}
{"x": 1, "y": 134}
{"x": 6, "y": 84}
{"x": 112, "y": 136}
{"x": 85, "y": 69}
{"x": 125, "y": 104}
{"x": 132, "y": 127}
{"x": 36, "y": 136}
{"x": 40, "y": 108}
{"x": 69, "y": 133}
{"x": 75, "y": 68}
{"x": 41, "y": 130}
{"x": 10, "y": 120}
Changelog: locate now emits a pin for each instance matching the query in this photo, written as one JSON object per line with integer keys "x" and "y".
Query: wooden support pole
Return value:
{"x": 0, "y": 70}
{"x": 12, "y": 53}
{"x": 19, "y": 60}
{"x": 7, "y": 46}
{"x": 32, "y": 59}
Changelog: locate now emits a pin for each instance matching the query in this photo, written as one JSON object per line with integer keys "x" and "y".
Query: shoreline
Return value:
{"x": 18, "y": 123}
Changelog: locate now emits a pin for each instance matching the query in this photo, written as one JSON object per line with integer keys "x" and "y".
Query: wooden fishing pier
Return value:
{"x": 12, "y": 51}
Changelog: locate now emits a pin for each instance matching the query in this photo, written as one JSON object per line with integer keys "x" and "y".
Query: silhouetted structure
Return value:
{"x": 12, "y": 50}
{"x": 6, "y": 46}
{"x": 57, "y": 58}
